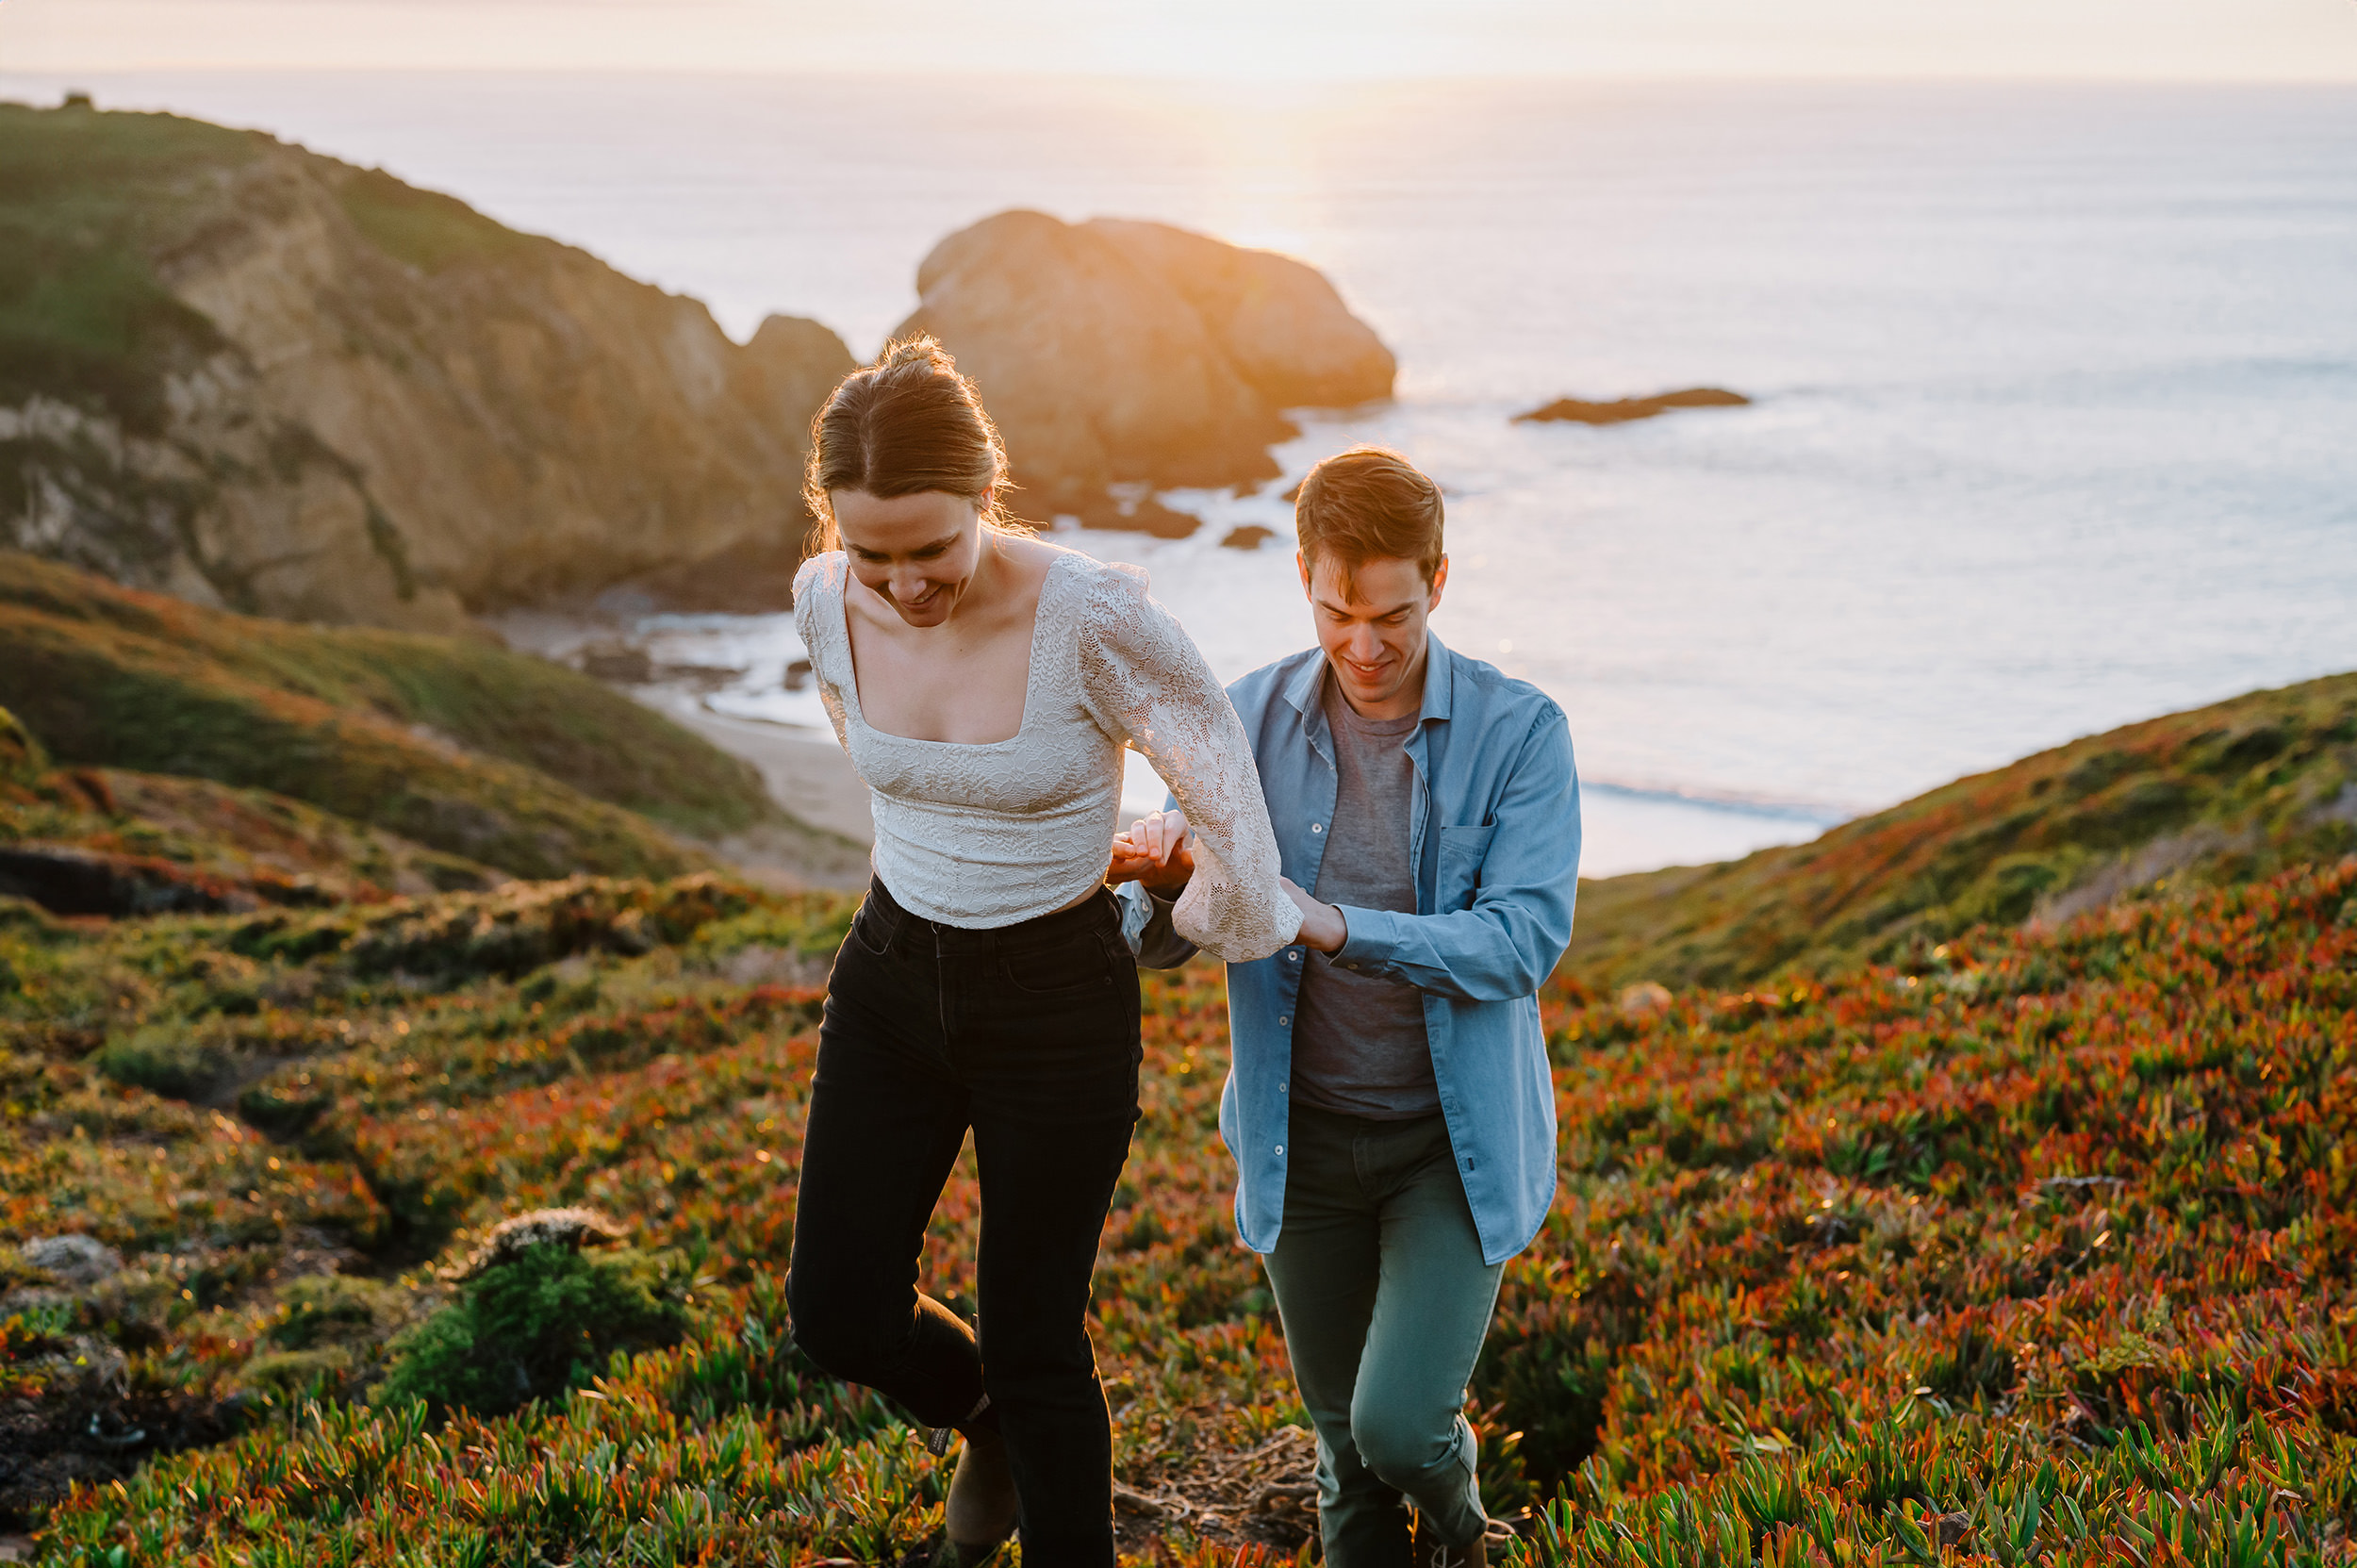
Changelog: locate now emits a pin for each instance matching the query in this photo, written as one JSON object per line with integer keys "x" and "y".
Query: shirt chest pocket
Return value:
{"x": 1462, "y": 853}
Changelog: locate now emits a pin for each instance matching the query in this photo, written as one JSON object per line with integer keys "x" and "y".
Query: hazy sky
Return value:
{"x": 2197, "y": 39}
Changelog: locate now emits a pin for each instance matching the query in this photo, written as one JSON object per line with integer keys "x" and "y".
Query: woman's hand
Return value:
{"x": 1322, "y": 925}
{"x": 1154, "y": 852}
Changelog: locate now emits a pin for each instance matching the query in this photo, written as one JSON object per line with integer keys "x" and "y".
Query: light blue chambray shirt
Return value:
{"x": 1493, "y": 836}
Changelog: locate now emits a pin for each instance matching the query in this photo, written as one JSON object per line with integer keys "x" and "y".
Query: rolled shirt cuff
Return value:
{"x": 1370, "y": 937}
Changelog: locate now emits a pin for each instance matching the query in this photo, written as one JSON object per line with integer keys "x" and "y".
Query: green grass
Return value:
{"x": 87, "y": 198}
{"x": 424, "y": 230}
{"x": 457, "y": 744}
{"x": 236, "y": 841}
{"x": 2217, "y": 794}
{"x": 247, "y": 845}
{"x": 22, "y": 759}
{"x": 82, "y": 194}
{"x": 537, "y": 1327}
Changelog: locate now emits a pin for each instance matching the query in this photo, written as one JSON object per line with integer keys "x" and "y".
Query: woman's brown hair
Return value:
{"x": 905, "y": 424}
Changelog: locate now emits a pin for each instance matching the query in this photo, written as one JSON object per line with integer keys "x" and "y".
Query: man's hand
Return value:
{"x": 1155, "y": 853}
{"x": 1322, "y": 925}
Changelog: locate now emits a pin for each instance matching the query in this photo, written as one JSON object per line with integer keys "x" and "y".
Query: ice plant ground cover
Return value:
{"x": 2034, "y": 1248}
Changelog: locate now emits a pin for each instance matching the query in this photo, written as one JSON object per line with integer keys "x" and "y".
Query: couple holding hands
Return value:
{"x": 1381, "y": 839}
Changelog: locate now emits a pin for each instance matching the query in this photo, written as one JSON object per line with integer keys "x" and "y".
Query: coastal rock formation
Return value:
{"x": 1115, "y": 353}
{"x": 265, "y": 380}
{"x": 1280, "y": 324}
{"x": 1621, "y": 410}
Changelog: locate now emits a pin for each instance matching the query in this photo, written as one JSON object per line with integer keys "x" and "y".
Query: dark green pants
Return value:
{"x": 1379, "y": 1276}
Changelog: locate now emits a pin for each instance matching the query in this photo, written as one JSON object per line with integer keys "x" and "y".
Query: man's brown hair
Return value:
{"x": 1369, "y": 504}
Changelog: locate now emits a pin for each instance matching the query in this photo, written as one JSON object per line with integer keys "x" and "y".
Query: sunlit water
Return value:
{"x": 2057, "y": 385}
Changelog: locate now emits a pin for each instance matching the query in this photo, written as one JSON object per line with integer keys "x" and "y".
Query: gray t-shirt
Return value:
{"x": 1358, "y": 1042}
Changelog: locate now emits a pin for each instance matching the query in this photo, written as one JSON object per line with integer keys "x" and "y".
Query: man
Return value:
{"x": 1390, "y": 1107}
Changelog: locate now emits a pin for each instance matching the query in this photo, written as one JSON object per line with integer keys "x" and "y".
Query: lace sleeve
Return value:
{"x": 1146, "y": 684}
{"x": 817, "y": 592}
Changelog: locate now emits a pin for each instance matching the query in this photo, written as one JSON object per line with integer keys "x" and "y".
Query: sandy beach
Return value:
{"x": 804, "y": 769}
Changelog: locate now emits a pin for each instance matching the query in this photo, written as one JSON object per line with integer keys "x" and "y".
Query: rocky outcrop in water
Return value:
{"x": 1278, "y": 321}
{"x": 263, "y": 379}
{"x": 1116, "y": 354}
{"x": 1621, "y": 410}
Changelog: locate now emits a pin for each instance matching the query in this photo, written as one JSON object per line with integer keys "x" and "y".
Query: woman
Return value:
{"x": 984, "y": 684}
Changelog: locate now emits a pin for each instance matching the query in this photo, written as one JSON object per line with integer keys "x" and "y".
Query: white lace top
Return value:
{"x": 981, "y": 836}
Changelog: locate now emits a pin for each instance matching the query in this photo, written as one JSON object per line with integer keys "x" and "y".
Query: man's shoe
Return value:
{"x": 1432, "y": 1552}
{"x": 980, "y": 1512}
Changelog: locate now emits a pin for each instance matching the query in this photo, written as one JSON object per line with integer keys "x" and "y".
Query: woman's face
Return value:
{"x": 920, "y": 552}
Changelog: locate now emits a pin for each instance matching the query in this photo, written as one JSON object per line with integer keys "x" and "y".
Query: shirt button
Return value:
{"x": 1284, "y": 1088}
{"x": 1317, "y": 827}
{"x": 1293, "y": 955}
{"x": 1280, "y": 1149}
{"x": 1282, "y": 1020}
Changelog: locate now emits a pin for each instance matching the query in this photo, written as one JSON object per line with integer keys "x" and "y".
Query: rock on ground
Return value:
{"x": 74, "y": 1259}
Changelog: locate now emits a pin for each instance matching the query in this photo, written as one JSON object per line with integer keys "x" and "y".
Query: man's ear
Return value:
{"x": 1303, "y": 562}
{"x": 1440, "y": 581}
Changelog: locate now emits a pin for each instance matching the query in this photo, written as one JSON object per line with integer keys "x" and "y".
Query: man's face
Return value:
{"x": 1372, "y": 627}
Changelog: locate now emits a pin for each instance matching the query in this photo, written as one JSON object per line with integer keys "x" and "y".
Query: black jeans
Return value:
{"x": 1028, "y": 1034}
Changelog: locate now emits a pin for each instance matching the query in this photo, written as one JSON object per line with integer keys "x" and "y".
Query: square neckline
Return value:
{"x": 1030, "y": 675}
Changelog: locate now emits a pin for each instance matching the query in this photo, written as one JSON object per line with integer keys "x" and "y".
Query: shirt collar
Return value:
{"x": 1439, "y": 680}
{"x": 1303, "y": 689}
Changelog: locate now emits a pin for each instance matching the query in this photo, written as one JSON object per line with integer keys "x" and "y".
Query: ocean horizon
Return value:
{"x": 2053, "y": 382}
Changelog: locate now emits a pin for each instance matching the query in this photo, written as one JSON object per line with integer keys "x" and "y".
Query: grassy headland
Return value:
{"x": 2220, "y": 795}
{"x": 457, "y": 744}
{"x": 104, "y": 841}
{"x": 262, "y": 378}
{"x": 83, "y": 317}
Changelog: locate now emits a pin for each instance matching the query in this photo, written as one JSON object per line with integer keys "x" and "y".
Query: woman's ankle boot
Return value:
{"x": 980, "y": 1512}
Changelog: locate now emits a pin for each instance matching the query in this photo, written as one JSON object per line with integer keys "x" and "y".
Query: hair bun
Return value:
{"x": 924, "y": 349}
{"x": 907, "y": 423}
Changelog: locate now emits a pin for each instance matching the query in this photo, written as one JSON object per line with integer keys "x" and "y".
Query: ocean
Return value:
{"x": 2055, "y": 417}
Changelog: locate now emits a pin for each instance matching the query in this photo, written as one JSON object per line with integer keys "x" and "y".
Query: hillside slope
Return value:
{"x": 451, "y": 742}
{"x": 2042, "y": 1252}
{"x": 261, "y": 378}
{"x": 2217, "y": 794}
{"x": 107, "y": 842}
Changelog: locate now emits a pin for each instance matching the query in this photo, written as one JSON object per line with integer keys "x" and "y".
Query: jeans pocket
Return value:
{"x": 871, "y": 932}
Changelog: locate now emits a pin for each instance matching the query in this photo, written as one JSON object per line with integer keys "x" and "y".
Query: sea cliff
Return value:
{"x": 266, "y": 380}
